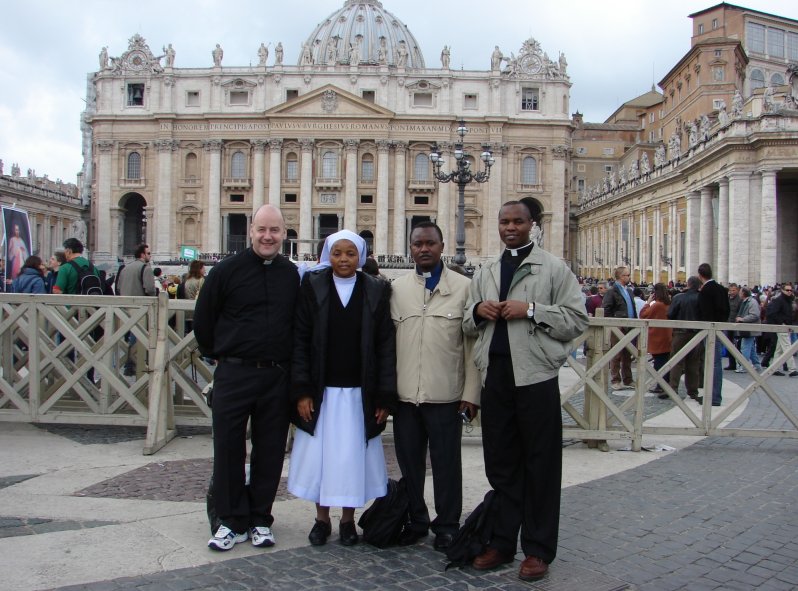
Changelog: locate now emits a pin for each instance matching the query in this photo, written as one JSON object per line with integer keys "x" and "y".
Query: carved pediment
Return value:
{"x": 423, "y": 86}
{"x": 329, "y": 101}
{"x": 138, "y": 59}
{"x": 238, "y": 83}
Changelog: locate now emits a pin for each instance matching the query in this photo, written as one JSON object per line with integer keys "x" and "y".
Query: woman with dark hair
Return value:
{"x": 659, "y": 338}
{"x": 30, "y": 278}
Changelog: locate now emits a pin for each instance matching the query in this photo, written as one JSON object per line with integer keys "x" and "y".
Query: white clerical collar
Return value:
{"x": 514, "y": 251}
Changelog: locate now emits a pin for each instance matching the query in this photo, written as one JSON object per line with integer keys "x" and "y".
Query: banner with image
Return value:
{"x": 16, "y": 241}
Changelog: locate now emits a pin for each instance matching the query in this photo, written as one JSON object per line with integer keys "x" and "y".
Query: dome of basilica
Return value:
{"x": 365, "y": 33}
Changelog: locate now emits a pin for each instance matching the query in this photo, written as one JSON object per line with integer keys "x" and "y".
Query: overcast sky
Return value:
{"x": 615, "y": 50}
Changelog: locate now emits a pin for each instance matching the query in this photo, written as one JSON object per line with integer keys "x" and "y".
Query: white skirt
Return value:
{"x": 334, "y": 467}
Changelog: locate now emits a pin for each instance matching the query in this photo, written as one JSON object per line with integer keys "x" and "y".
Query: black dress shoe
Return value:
{"x": 410, "y": 536}
{"x": 320, "y": 532}
{"x": 347, "y": 533}
{"x": 697, "y": 398}
{"x": 442, "y": 542}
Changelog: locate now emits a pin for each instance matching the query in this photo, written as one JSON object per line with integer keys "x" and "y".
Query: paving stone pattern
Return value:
{"x": 718, "y": 515}
{"x": 20, "y": 526}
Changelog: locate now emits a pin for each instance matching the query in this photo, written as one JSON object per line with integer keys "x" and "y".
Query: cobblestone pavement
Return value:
{"x": 717, "y": 515}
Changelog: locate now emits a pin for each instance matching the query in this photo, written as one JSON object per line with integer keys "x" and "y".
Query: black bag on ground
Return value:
{"x": 382, "y": 522}
{"x": 475, "y": 534}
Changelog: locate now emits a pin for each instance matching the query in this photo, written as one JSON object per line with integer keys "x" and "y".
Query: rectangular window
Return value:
{"x": 607, "y": 168}
{"x": 755, "y": 37}
{"x": 775, "y": 42}
{"x": 650, "y": 250}
{"x": 469, "y": 101}
{"x": 792, "y": 46}
{"x": 135, "y": 95}
{"x": 637, "y": 250}
{"x": 193, "y": 98}
{"x": 580, "y": 184}
{"x": 328, "y": 198}
{"x": 369, "y": 95}
{"x": 717, "y": 103}
{"x": 291, "y": 170}
{"x": 665, "y": 245}
{"x": 421, "y": 200}
{"x": 236, "y": 199}
{"x": 529, "y": 99}
{"x": 239, "y": 97}
{"x": 651, "y": 136}
{"x": 422, "y": 99}
{"x": 718, "y": 52}
{"x": 366, "y": 199}
{"x": 651, "y": 117}
{"x": 714, "y": 23}
{"x": 289, "y": 198}
{"x": 367, "y": 171}
{"x": 291, "y": 93}
{"x": 701, "y": 29}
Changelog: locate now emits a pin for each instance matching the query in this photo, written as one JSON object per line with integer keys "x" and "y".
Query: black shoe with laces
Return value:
{"x": 348, "y": 533}
{"x": 320, "y": 532}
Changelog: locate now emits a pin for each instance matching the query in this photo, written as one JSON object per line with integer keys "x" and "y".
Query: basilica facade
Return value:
{"x": 183, "y": 157}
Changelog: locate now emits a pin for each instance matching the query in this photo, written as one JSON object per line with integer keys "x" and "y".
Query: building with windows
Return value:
{"x": 55, "y": 210}
{"x": 705, "y": 171}
{"x": 341, "y": 139}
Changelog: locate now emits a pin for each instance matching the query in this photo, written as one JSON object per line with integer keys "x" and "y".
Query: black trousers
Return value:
{"x": 440, "y": 427}
{"x": 241, "y": 392}
{"x": 522, "y": 443}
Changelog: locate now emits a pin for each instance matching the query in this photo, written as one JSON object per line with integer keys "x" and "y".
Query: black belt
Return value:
{"x": 259, "y": 363}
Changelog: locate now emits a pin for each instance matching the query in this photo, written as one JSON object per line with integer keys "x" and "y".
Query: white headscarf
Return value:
{"x": 359, "y": 243}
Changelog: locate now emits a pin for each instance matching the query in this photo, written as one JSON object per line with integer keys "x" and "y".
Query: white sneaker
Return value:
{"x": 617, "y": 386}
{"x": 262, "y": 537}
{"x": 225, "y": 539}
{"x": 739, "y": 370}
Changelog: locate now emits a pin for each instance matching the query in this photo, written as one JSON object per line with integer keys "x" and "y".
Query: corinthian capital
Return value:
{"x": 306, "y": 144}
{"x": 259, "y": 145}
{"x": 276, "y": 144}
{"x": 351, "y": 145}
{"x": 212, "y": 145}
{"x": 105, "y": 146}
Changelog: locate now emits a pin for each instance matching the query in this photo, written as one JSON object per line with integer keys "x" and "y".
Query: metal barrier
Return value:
{"x": 62, "y": 360}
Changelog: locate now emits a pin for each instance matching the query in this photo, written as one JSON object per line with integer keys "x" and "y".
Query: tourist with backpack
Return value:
{"x": 78, "y": 276}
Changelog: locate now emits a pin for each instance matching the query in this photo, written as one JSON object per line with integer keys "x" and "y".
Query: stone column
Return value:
{"x": 225, "y": 232}
{"x": 103, "y": 229}
{"x": 555, "y": 240}
{"x": 212, "y": 242}
{"x": 693, "y": 231}
{"x": 739, "y": 194}
{"x": 656, "y": 268}
{"x": 399, "y": 186}
{"x": 259, "y": 147}
{"x": 383, "y": 180}
{"x": 706, "y": 230}
{"x": 491, "y": 212}
{"x": 445, "y": 218}
{"x": 306, "y": 196}
{"x": 350, "y": 199}
{"x": 768, "y": 268}
{"x": 117, "y": 216}
{"x": 163, "y": 233}
{"x": 722, "y": 273}
{"x": 676, "y": 251}
{"x": 275, "y": 171}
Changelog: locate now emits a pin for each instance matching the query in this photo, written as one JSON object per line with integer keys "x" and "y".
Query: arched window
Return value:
{"x": 421, "y": 167}
{"x": 757, "y": 79}
{"x": 529, "y": 171}
{"x": 329, "y": 165}
{"x": 776, "y": 79}
{"x": 191, "y": 166}
{"x": 367, "y": 168}
{"x": 134, "y": 166}
{"x": 238, "y": 166}
{"x": 291, "y": 167}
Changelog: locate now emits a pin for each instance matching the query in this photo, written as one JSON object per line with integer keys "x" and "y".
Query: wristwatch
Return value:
{"x": 530, "y": 313}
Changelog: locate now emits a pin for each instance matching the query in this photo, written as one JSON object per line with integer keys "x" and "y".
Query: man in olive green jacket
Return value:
{"x": 437, "y": 380}
{"x": 525, "y": 307}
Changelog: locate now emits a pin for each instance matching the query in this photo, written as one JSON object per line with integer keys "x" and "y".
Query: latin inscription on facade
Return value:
{"x": 321, "y": 126}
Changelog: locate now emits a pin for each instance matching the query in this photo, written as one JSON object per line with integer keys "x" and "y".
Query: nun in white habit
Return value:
{"x": 343, "y": 386}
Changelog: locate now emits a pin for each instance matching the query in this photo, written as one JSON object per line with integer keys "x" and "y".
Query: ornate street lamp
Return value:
{"x": 666, "y": 260}
{"x": 462, "y": 175}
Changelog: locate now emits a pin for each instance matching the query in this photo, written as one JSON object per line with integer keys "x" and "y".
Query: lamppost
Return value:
{"x": 666, "y": 260}
{"x": 462, "y": 175}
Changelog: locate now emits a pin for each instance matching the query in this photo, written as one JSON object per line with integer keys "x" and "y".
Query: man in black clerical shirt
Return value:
{"x": 243, "y": 318}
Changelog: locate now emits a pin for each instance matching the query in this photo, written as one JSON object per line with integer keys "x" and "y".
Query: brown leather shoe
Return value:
{"x": 532, "y": 569}
{"x": 490, "y": 558}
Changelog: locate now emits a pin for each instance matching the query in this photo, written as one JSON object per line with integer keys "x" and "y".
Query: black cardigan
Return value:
{"x": 377, "y": 349}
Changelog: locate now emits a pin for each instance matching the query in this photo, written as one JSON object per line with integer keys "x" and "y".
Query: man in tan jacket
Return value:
{"x": 438, "y": 384}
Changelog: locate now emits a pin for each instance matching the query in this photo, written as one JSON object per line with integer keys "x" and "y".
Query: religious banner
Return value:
{"x": 16, "y": 240}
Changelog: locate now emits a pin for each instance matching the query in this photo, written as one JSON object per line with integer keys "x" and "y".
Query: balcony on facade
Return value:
{"x": 329, "y": 182}
{"x": 138, "y": 183}
{"x": 236, "y": 183}
{"x": 421, "y": 185}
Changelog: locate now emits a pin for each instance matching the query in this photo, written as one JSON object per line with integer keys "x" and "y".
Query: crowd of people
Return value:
{"x": 701, "y": 298}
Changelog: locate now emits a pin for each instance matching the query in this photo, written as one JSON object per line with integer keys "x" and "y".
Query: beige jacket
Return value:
{"x": 434, "y": 361}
